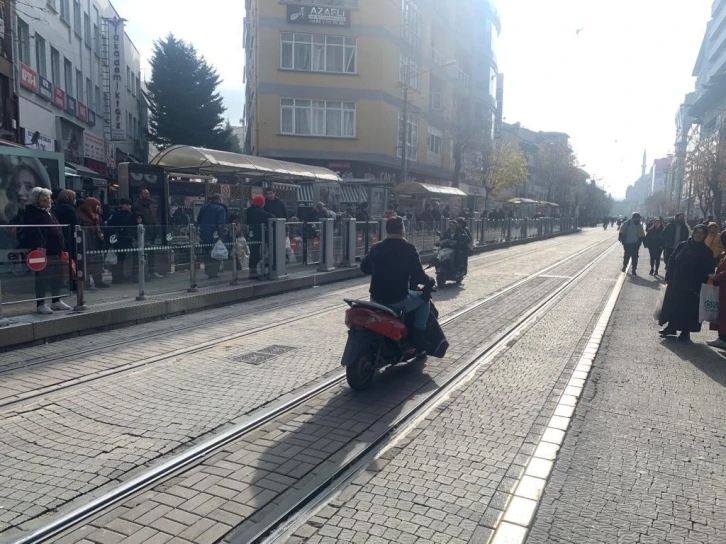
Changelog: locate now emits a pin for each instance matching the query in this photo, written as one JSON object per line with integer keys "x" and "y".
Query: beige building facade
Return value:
{"x": 326, "y": 81}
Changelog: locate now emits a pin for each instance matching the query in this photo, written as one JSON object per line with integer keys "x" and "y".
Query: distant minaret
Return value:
{"x": 645, "y": 162}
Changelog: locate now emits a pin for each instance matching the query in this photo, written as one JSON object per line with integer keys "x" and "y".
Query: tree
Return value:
{"x": 498, "y": 167}
{"x": 554, "y": 164}
{"x": 465, "y": 132}
{"x": 185, "y": 106}
{"x": 234, "y": 144}
{"x": 706, "y": 167}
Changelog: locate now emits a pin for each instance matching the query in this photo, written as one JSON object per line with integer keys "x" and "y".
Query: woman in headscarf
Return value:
{"x": 689, "y": 267}
{"x": 90, "y": 215}
{"x": 719, "y": 279}
{"x": 713, "y": 241}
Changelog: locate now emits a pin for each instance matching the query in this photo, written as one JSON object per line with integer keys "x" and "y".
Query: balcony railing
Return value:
{"x": 437, "y": 57}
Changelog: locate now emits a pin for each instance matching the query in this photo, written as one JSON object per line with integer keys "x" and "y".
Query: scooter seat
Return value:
{"x": 372, "y": 306}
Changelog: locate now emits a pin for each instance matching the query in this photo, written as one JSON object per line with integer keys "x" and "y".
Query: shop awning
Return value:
{"x": 351, "y": 194}
{"x": 80, "y": 170}
{"x": 185, "y": 158}
{"x": 422, "y": 189}
{"x": 518, "y": 201}
{"x": 305, "y": 194}
{"x": 551, "y": 204}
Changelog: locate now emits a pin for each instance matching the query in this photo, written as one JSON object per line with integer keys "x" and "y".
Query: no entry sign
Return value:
{"x": 37, "y": 260}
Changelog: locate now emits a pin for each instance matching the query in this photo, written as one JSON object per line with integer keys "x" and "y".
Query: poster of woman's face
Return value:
{"x": 18, "y": 177}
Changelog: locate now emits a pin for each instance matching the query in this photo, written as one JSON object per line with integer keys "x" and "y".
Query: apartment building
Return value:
{"x": 353, "y": 86}
{"x": 78, "y": 83}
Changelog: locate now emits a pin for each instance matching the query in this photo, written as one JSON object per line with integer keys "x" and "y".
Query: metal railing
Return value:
{"x": 108, "y": 264}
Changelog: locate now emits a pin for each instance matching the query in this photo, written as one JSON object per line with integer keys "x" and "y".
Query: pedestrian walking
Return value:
{"x": 146, "y": 208}
{"x": 690, "y": 266}
{"x": 212, "y": 221}
{"x": 713, "y": 242}
{"x": 654, "y": 242}
{"x": 43, "y": 232}
{"x": 631, "y": 236}
{"x": 64, "y": 210}
{"x": 257, "y": 219}
{"x": 90, "y": 214}
{"x": 719, "y": 280}
{"x": 675, "y": 232}
{"x": 122, "y": 225}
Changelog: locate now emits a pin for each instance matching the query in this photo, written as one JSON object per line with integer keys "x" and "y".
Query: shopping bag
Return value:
{"x": 111, "y": 259}
{"x": 708, "y": 307}
{"x": 219, "y": 251}
{"x": 659, "y": 304}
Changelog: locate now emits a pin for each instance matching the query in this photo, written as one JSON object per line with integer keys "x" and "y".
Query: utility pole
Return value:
{"x": 404, "y": 126}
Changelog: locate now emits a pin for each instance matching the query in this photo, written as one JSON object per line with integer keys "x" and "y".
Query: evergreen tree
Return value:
{"x": 185, "y": 107}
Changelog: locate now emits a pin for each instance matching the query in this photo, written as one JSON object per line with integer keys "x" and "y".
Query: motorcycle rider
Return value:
{"x": 394, "y": 266}
{"x": 458, "y": 233}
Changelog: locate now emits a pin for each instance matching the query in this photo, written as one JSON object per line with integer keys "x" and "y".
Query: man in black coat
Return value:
{"x": 675, "y": 232}
{"x": 274, "y": 205}
{"x": 257, "y": 218}
{"x": 122, "y": 228}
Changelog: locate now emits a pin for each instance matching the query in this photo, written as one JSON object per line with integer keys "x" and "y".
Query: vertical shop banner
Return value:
{"x": 118, "y": 64}
{"x": 82, "y": 112}
{"x": 45, "y": 88}
{"x": 59, "y": 97}
{"x": 28, "y": 78}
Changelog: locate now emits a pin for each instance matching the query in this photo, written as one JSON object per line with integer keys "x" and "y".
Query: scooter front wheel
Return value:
{"x": 441, "y": 280}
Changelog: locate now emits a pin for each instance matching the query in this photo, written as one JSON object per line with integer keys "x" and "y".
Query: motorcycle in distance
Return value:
{"x": 378, "y": 337}
{"x": 445, "y": 264}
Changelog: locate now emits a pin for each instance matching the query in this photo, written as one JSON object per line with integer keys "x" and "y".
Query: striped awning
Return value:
{"x": 305, "y": 194}
{"x": 352, "y": 194}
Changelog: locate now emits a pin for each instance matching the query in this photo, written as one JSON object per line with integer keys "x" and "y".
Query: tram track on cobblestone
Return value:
{"x": 35, "y": 394}
{"x": 196, "y": 454}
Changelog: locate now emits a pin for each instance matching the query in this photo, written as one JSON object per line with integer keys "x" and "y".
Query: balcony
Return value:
{"x": 436, "y": 57}
{"x": 460, "y": 76}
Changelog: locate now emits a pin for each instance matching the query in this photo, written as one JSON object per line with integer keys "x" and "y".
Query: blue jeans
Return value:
{"x": 414, "y": 304}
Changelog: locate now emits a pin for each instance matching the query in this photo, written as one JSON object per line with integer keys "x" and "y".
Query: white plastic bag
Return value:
{"x": 111, "y": 259}
{"x": 289, "y": 253}
{"x": 708, "y": 307}
{"x": 219, "y": 251}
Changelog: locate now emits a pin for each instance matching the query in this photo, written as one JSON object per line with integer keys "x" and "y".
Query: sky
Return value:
{"x": 614, "y": 88}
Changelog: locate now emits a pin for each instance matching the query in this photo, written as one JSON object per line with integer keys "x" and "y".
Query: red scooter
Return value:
{"x": 378, "y": 337}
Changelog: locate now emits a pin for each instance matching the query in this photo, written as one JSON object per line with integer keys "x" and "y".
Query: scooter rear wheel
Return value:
{"x": 360, "y": 368}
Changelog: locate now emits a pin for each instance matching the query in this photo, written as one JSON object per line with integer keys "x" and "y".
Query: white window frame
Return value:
{"x": 87, "y": 30}
{"x": 24, "y": 43}
{"x": 411, "y": 23}
{"x": 55, "y": 67}
{"x": 435, "y": 146}
{"x": 294, "y": 41}
{"x": 65, "y": 11}
{"x": 317, "y": 113}
{"x": 411, "y": 139}
{"x": 77, "y": 18}
{"x": 411, "y": 69}
{"x": 41, "y": 56}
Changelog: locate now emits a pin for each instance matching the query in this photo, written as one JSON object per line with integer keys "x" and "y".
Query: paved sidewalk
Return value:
{"x": 645, "y": 459}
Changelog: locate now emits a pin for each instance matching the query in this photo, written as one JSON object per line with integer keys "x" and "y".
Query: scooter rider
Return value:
{"x": 461, "y": 238}
{"x": 394, "y": 266}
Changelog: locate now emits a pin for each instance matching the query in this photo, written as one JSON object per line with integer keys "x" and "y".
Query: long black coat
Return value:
{"x": 689, "y": 268}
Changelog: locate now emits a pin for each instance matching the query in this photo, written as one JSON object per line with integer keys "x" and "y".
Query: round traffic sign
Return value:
{"x": 37, "y": 260}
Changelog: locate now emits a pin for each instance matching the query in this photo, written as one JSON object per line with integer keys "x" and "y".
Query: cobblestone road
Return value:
{"x": 644, "y": 460}
{"x": 449, "y": 480}
{"x": 72, "y": 443}
{"x": 248, "y": 483}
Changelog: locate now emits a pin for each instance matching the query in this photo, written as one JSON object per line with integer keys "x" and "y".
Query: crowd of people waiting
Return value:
{"x": 694, "y": 254}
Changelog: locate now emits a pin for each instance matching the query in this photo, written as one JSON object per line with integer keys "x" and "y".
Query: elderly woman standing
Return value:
{"x": 90, "y": 215}
{"x": 689, "y": 267}
{"x": 719, "y": 280}
{"x": 713, "y": 241}
{"x": 43, "y": 232}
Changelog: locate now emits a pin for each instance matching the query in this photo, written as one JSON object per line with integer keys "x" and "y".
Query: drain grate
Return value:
{"x": 276, "y": 350}
{"x": 263, "y": 355}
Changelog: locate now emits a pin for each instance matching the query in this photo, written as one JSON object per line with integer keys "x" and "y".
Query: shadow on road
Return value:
{"x": 707, "y": 360}
{"x": 321, "y": 437}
